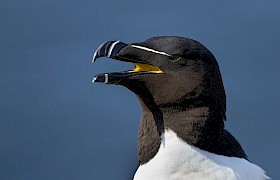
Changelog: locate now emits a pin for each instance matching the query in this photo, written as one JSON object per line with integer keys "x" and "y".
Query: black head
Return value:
{"x": 175, "y": 71}
{"x": 179, "y": 86}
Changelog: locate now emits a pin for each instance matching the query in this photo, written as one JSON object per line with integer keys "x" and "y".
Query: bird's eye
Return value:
{"x": 174, "y": 58}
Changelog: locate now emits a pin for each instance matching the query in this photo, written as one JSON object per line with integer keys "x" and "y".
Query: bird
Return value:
{"x": 179, "y": 86}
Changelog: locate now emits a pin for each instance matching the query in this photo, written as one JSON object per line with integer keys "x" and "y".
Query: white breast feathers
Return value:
{"x": 177, "y": 160}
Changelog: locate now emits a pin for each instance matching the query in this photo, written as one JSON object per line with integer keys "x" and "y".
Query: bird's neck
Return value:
{"x": 196, "y": 126}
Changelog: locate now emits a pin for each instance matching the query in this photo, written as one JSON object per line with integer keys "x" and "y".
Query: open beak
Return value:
{"x": 123, "y": 52}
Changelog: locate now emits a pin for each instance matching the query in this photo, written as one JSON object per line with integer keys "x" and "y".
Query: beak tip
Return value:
{"x": 102, "y": 78}
{"x": 94, "y": 57}
{"x": 94, "y": 79}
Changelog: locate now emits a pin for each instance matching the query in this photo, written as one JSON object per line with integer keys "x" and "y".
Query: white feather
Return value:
{"x": 176, "y": 160}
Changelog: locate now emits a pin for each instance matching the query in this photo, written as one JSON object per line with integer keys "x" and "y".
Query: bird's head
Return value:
{"x": 169, "y": 72}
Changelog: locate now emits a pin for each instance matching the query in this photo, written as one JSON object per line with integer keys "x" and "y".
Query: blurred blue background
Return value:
{"x": 55, "y": 124}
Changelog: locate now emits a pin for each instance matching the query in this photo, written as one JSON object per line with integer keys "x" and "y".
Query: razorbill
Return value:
{"x": 179, "y": 86}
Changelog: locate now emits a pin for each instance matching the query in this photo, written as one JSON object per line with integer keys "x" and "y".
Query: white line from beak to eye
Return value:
{"x": 111, "y": 48}
{"x": 150, "y": 50}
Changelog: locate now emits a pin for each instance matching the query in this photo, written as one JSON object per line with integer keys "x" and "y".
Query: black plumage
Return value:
{"x": 187, "y": 97}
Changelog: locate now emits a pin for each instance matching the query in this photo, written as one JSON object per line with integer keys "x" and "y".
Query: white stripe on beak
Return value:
{"x": 111, "y": 48}
{"x": 106, "y": 78}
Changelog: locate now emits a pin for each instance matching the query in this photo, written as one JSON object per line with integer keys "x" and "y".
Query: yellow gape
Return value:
{"x": 146, "y": 68}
